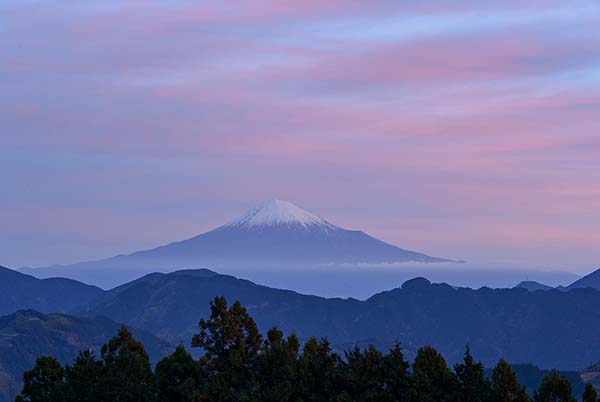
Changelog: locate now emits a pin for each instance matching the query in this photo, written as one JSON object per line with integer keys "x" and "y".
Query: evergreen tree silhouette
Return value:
{"x": 554, "y": 389}
{"x": 473, "y": 386}
{"x": 179, "y": 378}
{"x": 432, "y": 380}
{"x": 364, "y": 375}
{"x": 43, "y": 383}
{"x": 126, "y": 375}
{"x": 277, "y": 368}
{"x": 230, "y": 340}
{"x": 395, "y": 375}
{"x": 590, "y": 394}
{"x": 505, "y": 386}
{"x": 319, "y": 373}
{"x": 83, "y": 379}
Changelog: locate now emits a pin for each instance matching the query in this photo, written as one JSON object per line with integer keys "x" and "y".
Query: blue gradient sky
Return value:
{"x": 462, "y": 129}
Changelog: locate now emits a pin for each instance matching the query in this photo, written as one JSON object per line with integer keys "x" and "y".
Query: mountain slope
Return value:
{"x": 518, "y": 325}
{"x": 170, "y": 305}
{"x": 274, "y": 234}
{"x": 26, "y": 335}
{"x": 19, "y": 291}
{"x": 589, "y": 281}
{"x": 533, "y": 286}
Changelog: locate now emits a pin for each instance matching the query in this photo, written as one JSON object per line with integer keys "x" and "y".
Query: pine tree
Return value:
{"x": 505, "y": 386}
{"x": 554, "y": 389}
{"x": 364, "y": 375}
{"x": 231, "y": 341}
{"x": 276, "y": 368}
{"x": 127, "y": 375}
{"x": 43, "y": 383}
{"x": 395, "y": 375}
{"x": 472, "y": 384}
{"x": 432, "y": 380}
{"x": 82, "y": 379}
{"x": 179, "y": 377}
{"x": 319, "y": 374}
{"x": 590, "y": 394}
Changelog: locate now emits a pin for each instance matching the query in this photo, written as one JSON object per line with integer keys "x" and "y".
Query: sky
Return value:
{"x": 464, "y": 129}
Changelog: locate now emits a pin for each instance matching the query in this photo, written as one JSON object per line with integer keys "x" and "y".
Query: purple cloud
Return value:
{"x": 462, "y": 129}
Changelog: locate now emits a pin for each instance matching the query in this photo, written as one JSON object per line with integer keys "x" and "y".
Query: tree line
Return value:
{"x": 238, "y": 365}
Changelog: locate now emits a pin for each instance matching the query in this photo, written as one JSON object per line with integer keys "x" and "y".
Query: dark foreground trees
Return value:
{"x": 238, "y": 365}
{"x": 505, "y": 386}
{"x": 590, "y": 394}
{"x": 44, "y": 382}
{"x": 554, "y": 389}
{"x": 123, "y": 374}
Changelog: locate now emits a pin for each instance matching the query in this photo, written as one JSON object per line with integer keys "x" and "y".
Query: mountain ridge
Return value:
{"x": 591, "y": 280}
{"x": 20, "y": 291}
{"x": 533, "y": 286}
{"x": 495, "y": 322}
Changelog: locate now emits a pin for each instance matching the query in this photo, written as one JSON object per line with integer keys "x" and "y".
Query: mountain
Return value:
{"x": 19, "y": 291}
{"x": 274, "y": 234}
{"x": 26, "y": 335}
{"x": 170, "y": 305}
{"x": 550, "y": 329}
{"x": 589, "y": 281}
{"x": 532, "y": 286}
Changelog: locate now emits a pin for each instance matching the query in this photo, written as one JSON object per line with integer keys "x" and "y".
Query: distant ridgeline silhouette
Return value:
{"x": 589, "y": 281}
{"x": 496, "y": 323}
{"x": 238, "y": 364}
{"x": 501, "y": 323}
{"x": 19, "y": 291}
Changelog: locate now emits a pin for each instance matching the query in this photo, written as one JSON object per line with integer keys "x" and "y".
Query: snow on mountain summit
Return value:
{"x": 279, "y": 213}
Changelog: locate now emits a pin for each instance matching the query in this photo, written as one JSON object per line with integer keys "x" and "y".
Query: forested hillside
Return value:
{"x": 238, "y": 364}
{"x": 26, "y": 335}
{"x": 511, "y": 323}
{"x": 57, "y": 295}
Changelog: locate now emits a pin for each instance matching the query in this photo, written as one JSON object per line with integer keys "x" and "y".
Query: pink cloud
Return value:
{"x": 479, "y": 132}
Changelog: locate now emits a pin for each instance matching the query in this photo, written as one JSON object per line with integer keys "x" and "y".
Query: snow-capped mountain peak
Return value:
{"x": 279, "y": 213}
{"x": 275, "y": 235}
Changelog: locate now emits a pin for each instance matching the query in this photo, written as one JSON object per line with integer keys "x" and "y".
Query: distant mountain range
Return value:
{"x": 274, "y": 234}
{"x": 497, "y": 323}
{"x": 19, "y": 291}
{"x": 27, "y": 334}
{"x": 591, "y": 280}
{"x": 550, "y": 329}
